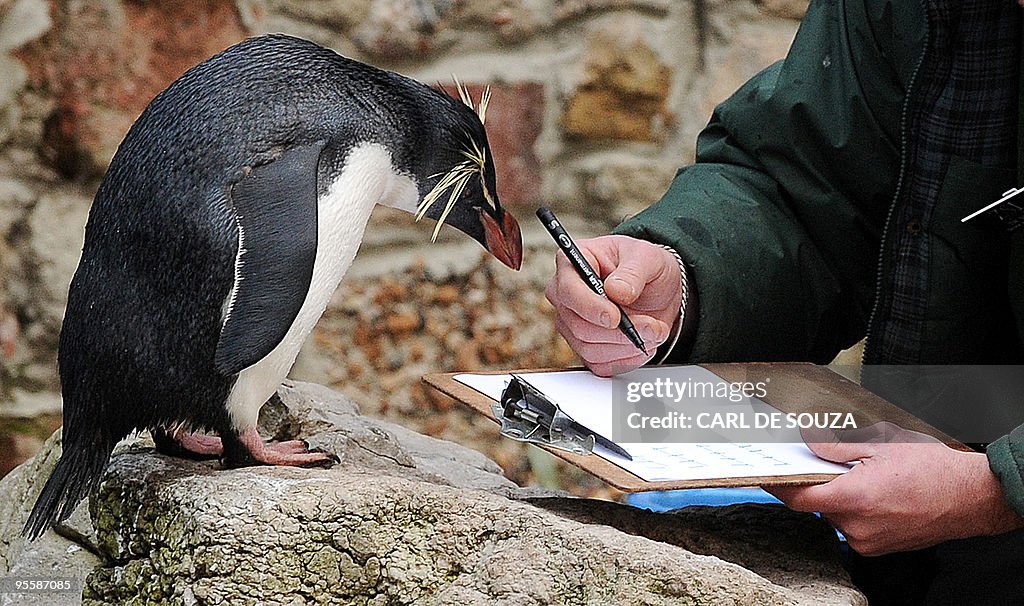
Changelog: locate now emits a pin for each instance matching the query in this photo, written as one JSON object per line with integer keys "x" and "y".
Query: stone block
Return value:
{"x": 513, "y": 20}
{"x": 402, "y": 29}
{"x": 566, "y": 10}
{"x": 789, "y": 9}
{"x": 752, "y": 42}
{"x": 105, "y": 61}
{"x": 21, "y": 22}
{"x": 623, "y": 91}
{"x": 623, "y": 187}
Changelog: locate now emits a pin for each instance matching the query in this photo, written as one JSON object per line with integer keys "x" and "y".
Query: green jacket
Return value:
{"x": 784, "y": 214}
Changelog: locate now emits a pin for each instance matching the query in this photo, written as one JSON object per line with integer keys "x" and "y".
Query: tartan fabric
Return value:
{"x": 964, "y": 103}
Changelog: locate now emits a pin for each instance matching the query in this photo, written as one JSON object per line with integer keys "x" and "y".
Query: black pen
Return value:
{"x": 579, "y": 262}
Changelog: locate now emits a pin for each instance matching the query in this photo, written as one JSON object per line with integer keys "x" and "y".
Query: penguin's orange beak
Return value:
{"x": 504, "y": 241}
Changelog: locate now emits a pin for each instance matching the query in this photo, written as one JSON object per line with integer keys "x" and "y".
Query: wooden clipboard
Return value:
{"x": 796, "y": 387}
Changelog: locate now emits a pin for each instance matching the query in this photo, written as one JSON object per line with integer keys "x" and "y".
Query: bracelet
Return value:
{"x": 677, "y": 331}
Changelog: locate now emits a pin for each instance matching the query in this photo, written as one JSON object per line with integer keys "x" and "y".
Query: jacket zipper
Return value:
{"x": 904, "y": 127}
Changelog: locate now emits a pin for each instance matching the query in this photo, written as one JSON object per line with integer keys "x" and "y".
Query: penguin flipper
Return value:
{"x": 276, "y": 209}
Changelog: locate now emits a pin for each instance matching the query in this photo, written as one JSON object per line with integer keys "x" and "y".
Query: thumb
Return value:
{"x": 630, "y": 277}
{"x": 831, "y": 446}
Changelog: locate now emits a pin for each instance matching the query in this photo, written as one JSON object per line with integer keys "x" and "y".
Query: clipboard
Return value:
{"x": 795, "y": 388}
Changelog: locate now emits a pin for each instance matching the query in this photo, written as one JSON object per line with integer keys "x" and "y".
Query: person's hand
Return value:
{"x": 642, "y": 277}
{"x": 907, "y": 491}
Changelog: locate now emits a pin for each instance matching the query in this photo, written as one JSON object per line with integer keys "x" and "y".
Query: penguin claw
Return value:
{"x": 330, "y": 459}
{"x": 303, "y": 458}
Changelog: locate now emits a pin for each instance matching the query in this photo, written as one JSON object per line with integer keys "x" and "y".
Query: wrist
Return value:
{"x": 680, "y": 316}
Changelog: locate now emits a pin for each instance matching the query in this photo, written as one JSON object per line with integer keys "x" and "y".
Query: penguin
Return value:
{"x": 224, "y": 223}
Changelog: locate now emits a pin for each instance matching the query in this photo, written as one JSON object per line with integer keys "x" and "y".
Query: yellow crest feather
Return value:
{"x": 460, "y": 174}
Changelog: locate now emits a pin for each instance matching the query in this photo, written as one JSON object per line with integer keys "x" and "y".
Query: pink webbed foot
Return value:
{"x": 191, "y": 446}
{"x": 247, "y": 448}
{"x": 200, "y": 444}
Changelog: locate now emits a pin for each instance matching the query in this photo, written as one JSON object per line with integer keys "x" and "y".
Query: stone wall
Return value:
{"x": 595, "y": 105}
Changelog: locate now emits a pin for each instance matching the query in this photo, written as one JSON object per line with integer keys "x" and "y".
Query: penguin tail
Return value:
{"x": 76, "y": 473}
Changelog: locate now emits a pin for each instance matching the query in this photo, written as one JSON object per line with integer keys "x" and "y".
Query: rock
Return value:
{"x": 624, "y": 90}
{"x": 69, "y": 552}
{"x": 786, "y": 547}
{"x": 402, "y": 29}
{"x": 402, "y": 519}
{"x": 56, "y": 229}
{"x": 106, "y": 60}
{"x": 403, "y": 323}
{"x": 21, "y": 21}
{"x": 789, "y": 9}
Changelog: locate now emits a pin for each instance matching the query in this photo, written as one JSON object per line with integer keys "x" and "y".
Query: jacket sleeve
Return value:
{"x": 1006, "y": 460}
{"x": 781, "y": 216}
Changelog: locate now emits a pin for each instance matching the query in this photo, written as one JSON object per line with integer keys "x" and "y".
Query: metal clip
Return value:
{"x": 527, "y": 415}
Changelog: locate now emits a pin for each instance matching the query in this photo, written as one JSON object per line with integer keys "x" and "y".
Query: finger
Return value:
{"x": 884, "y": 432}
{"x": 618, "y": 367}
{"x": 826, "y": 498}
{"x": 570, "y": 323}
{"x": 828, "y": 445}
{"x": 567, "y": 290}
{"x": 637, "y": 268}
{"x": 596, "y": 345}
{"x": 611, "y": 368}
{"x": 653, "y": 331}
{"x": 784, "y": 493}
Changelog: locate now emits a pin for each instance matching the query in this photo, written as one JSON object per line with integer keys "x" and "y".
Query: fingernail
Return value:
{"x": 606, "y": 320}
{"x": 629, "y": 287}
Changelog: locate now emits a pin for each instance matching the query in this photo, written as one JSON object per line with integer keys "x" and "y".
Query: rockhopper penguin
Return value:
{"x": 226, "y": 220}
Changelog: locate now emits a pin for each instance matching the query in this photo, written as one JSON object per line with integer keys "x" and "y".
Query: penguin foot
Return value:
{"x": 247, "y": 448}
{"x": 287, "y": 448}
{"x": 186, "y": 445}
{"x": 200, "y": 444}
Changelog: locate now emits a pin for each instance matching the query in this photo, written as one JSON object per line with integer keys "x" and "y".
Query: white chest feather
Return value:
{"x": 367, "y": 179}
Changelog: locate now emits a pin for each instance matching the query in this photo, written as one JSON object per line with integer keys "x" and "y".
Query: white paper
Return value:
{"x": 587, "y": 398}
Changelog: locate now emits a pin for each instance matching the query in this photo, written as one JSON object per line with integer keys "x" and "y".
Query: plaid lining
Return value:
{"x": 965, "y": 105}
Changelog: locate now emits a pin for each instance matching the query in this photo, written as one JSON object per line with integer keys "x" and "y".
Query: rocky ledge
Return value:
{"x": 403, "y": 519}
